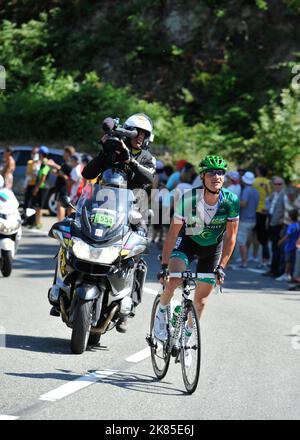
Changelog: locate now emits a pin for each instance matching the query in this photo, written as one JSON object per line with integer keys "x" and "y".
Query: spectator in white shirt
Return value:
{"x": 75, "y": 177}
{"x": 234, "y": 182}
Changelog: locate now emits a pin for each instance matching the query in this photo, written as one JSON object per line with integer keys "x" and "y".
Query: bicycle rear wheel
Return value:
{"x": 190, "y": 353}
{"x": 159, "y": 354}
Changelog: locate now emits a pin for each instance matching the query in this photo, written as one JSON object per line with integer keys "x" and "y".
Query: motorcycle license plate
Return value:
{"x": 104, "y": 219}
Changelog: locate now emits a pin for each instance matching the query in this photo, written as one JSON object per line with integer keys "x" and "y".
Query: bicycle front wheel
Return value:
{"x": 160, "y": 356}
{"x": 190, "y": 353}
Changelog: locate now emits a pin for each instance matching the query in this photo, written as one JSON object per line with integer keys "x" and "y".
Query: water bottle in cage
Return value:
{"x": 176, "y": 313}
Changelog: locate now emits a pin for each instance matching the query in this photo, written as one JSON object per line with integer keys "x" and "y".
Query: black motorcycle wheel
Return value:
{"x": 81, "y": 326}
{"x": 94, "y": 339}
{"x": 6, "y": 263}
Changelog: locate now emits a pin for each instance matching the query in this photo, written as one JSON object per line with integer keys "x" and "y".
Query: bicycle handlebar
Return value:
{"x": 191, "y": 275}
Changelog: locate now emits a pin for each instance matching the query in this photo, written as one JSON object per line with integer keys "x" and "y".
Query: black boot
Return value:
{"x": 122, "y": 325}
{"x": 54, "y": 311}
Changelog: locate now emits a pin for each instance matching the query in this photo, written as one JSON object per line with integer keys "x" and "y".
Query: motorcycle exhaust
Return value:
{"x": 103, "y": 327}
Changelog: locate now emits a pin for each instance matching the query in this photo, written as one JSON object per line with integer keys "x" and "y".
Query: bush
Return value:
{"x": 276, "y": 142}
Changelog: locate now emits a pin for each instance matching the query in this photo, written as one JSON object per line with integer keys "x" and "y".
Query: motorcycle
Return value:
{"x": 10, "y": 229}
{"x": 100, "y": 274}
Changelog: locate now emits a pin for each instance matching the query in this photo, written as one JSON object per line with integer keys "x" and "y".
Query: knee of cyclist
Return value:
{"x": 200, "y": 302}
{"x": 173, "y": 283}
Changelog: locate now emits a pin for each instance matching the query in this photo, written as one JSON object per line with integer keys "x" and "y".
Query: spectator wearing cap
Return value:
{"x": 234, "y": 183}
{"x": 275, "y": 206}
{"x": 248, "y": 202}
{"x": 263, "y": 186}
{"x": 39, "y": 192}
{"x": 62, "y": 172}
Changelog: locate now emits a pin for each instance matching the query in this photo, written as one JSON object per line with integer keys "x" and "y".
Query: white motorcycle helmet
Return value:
{"x": 139, "y": 120}
{"x": 1, "y": 181}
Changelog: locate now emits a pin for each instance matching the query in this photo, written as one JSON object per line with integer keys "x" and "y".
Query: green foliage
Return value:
{"x": 276, "y": 142}
{"x": 262, "y": 4}
{"x": 24, "y": 52}
{"x": 70, "y": 63}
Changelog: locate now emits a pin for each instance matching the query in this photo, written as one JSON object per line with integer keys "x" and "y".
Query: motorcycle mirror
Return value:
{"x": 29, "y": 212}
{"x": 65, "y": 201}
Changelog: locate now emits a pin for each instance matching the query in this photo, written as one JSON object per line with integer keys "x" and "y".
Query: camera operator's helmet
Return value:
{"x": 1, "y": 181}
{"x": 114, "y": 177}
{"x": 143, "y": 122}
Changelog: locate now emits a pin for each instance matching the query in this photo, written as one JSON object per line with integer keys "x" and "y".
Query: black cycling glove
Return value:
{"x": 163, "y": 273}
{"x": 220, "y": 273}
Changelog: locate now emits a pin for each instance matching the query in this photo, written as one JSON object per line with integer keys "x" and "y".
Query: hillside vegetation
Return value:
{"x": 215, "y": 76}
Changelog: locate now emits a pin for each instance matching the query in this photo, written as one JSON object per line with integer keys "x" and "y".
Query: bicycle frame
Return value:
{"x": 174, "y": 341}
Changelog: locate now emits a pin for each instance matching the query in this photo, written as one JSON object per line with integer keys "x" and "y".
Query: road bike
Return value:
{"x": 178, "y": 343}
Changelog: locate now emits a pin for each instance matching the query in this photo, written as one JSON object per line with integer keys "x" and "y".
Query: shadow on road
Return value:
{"x": 38, "y": 344}
{"x": 141, "y": 383}
{"x": 123, "y": 379}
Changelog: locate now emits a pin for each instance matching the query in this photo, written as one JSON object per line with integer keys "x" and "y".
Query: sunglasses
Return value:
{"x": 277, "y": 183}
{"x": 215, "y": 172}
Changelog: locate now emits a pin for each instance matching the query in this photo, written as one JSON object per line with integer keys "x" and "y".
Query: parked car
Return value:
{"x": 22, "y": 155}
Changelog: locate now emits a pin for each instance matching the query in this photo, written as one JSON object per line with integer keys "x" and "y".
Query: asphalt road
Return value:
{"x": 250, "y": 353}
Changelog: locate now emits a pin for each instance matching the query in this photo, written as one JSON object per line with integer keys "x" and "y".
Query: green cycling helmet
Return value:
{"x": 213, "y": 163}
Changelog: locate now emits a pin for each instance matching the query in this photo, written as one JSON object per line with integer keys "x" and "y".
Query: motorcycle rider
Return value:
{"x": 133, "y": 158}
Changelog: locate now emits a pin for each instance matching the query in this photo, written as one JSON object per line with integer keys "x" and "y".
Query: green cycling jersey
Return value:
{"x": 206, "y": 224}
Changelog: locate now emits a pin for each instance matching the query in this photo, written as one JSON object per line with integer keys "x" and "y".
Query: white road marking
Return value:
{"x": 76, "y": 385}
{"x": 139, "y": 356}
{"x": 4, "y": 417}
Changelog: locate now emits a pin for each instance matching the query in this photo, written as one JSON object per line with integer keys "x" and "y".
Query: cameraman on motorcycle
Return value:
{"x": 132, "y": 157}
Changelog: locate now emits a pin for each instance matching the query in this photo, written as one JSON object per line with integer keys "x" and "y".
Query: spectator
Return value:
{"x": 275, "y": 206}
{"x": 32, "y": 169}
{"x": 8, "y": 168}
{"x": 168, "y": 170}
{"x": 159, "y": 182}
{"x": 175, "y": 177}
{"x": 39, "y": 192}
{"x": 296, "y": 273}
{"x": 75, "y": 177}
{"x": 187, "y": 176}
{"x": 63, "y": 172}
{"x": 248, "y": 202}
{"x": 289, "y": 240}
{"x": 234, "y": 183}
{"x": 291, "y": 201}
{"x": 263, "y": 186}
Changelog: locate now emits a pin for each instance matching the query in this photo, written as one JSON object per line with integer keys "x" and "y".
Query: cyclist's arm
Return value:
{"x": 170, "y": 239}
{"x": 229, "y": 241}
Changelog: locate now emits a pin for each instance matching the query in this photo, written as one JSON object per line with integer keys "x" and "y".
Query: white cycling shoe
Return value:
{"x": 160, "y": 327}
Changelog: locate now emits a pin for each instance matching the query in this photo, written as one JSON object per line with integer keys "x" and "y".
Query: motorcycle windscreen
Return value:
{"x": 102, "y": 211}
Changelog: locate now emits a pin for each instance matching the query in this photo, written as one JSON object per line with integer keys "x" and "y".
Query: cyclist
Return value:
{"x": 205, "y": 224}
